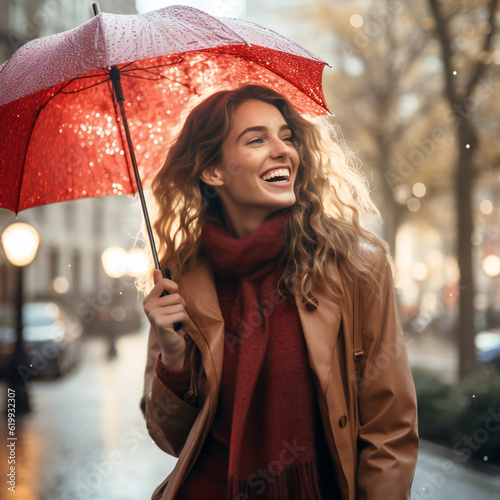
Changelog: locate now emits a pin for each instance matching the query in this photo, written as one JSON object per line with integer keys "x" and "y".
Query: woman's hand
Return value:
{"x": 163, "y": 313}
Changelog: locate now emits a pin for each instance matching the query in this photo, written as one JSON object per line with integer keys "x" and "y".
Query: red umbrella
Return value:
{"x": 63, "y": 98}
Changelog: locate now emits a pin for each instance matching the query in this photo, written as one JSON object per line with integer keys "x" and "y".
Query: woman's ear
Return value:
{"x": 212, "y": 176}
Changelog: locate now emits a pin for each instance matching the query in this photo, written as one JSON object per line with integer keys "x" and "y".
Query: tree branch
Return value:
{"x": 444, "y": 39}
{"x": 480, "y": 66}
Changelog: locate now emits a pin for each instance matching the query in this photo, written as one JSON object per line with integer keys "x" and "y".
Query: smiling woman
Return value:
{"x": 213, "y": 172}
{"x": 261, "y": 147}
{"x": 259, "y": 395}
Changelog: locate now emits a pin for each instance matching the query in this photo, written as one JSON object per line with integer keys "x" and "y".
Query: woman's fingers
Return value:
{"x": 164, "y": 312}
{"x": 156, "y": 275}
{"x": 168, "y": 300}
{"x": 161, "y": 285}
{"x": 165, "y": 321}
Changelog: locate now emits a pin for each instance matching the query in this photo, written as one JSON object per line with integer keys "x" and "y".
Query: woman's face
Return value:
{"x": 258, "y": 147}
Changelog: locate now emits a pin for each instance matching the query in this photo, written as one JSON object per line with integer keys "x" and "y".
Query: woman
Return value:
{"x": 256, "y": 394}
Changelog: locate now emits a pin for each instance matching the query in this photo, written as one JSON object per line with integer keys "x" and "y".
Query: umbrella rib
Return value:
{"x": 149, "y": 67}
{"x": 160, "y": 77}
{"x": 126, "y": 65}
{"x": 88, "y": 76}
{"x": 146, "y": 70}
{"x": 85, "y": 88}
{"x": 154, "y": 67}
{"x": 152, "y": 73}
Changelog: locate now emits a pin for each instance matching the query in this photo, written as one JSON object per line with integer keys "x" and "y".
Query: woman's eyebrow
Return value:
{"x": 261, "y": 128}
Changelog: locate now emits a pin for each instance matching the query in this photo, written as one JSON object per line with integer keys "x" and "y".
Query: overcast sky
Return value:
{"x": 225, "y": 8}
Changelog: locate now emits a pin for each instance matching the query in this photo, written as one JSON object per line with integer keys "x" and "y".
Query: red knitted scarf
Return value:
{"x": 275, "y": 414}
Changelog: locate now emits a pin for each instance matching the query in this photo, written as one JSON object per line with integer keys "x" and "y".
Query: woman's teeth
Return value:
{"x": 277, "y": 173}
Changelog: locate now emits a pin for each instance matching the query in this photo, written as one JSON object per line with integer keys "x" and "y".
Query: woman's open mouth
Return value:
{"x": 279, "y": 177}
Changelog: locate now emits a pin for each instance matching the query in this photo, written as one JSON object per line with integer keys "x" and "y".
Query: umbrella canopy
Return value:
{"x": 61, "y": 133}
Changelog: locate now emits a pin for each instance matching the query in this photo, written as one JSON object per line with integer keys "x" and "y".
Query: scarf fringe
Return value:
{"x": 296, "y": 481}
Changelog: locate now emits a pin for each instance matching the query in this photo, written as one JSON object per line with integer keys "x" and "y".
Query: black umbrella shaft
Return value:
{"x": 139, "y": 185}
{"x": 115, "y": 78}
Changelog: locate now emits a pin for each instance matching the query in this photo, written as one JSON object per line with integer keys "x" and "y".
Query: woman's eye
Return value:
{"x": 255, "y": 140}
{"x": 258, "y": 140}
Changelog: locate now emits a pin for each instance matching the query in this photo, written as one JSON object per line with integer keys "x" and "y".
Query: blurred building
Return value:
{"x": 24, "y": 20}
{"x": 73, "y": 234}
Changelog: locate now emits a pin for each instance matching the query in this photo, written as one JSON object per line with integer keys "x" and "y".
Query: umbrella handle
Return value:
{"x": 166, "y": 274}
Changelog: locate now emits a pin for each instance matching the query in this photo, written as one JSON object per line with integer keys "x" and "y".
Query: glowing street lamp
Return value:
{"x": 20, "y": 242}
{"x": 491, "y": 265}
{"x": 114, "y": 261}
{"x": 137, "y": 262}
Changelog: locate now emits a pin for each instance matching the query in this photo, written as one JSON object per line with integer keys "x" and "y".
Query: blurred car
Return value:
{"x": 51, "y": 338}
{"x": 488, "y": 348}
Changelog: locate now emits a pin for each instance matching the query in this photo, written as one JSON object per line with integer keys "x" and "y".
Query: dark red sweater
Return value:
{"x": 209, "y": 476}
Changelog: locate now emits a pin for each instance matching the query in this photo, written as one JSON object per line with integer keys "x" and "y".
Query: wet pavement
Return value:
{"x": 86, "y": 439}
{"x": 439, "y": 476}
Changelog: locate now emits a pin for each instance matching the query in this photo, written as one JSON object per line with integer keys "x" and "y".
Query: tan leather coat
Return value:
{"x": 373, "y": 438}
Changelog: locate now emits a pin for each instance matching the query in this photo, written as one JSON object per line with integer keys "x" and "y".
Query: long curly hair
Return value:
{"x": 330, "y": 188}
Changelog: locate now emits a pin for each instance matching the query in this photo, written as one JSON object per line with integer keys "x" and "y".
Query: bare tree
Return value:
{"x": 458, "y": 92}
{"x": 376, "y": 60}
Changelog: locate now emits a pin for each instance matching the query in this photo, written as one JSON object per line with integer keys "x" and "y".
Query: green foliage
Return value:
{"x": 433, "y": 397}
{"x": 447, "y": 413}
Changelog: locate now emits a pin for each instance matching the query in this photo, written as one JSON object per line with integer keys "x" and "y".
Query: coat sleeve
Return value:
{"x": 388, "y": 432}
{"x": 168, "y": 418}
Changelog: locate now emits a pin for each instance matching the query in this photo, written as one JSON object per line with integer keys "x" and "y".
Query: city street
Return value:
{"x": 86, "y": 439}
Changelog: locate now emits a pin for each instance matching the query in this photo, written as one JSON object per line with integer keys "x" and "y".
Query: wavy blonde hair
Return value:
{"x": 331, "y": 195}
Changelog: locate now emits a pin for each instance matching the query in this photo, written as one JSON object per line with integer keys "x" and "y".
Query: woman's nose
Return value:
{"x": 280, "y": 147}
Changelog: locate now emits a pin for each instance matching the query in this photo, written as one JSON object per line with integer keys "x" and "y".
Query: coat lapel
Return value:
{"x": 327, "y": 357}
{"x": 321, "y": 329}
{"x": 198, "y": 290}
